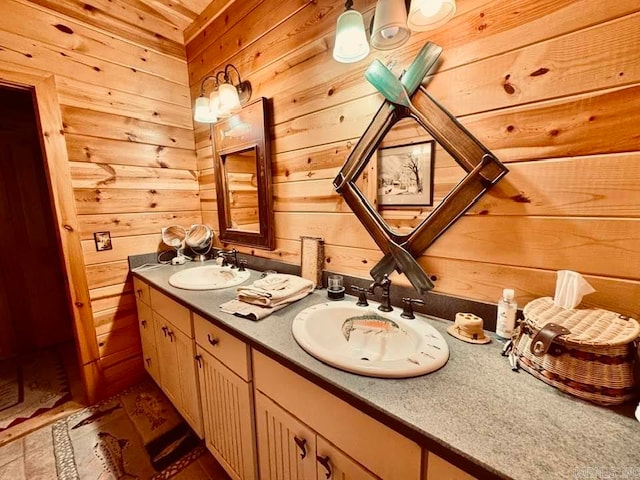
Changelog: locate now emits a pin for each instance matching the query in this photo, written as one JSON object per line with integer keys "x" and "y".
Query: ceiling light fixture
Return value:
{"x": 351, "y": 39}
{"x": 225, "y": 99}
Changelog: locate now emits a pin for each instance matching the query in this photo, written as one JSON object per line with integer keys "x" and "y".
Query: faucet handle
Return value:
{"x": 242, "y": 265}
{"x": 407, "y": 310}
{"x": 362, "y": 296}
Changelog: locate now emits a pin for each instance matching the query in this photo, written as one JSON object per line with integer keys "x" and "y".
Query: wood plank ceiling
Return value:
{"x": 165, "y": 25}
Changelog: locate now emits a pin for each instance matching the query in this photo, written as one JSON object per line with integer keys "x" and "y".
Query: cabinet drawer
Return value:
{"x": 440, "y": 469}
{"x": 178, "y": 315}
{"x": 382, "y": 450}
{"x": 141, "y": 290}
{"x": 232, "y": 352}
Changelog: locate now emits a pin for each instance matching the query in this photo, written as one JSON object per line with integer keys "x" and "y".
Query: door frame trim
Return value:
{"x": 62, "y": 199}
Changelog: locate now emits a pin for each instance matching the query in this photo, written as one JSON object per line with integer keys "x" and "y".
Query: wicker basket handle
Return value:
{"x": 542, "y": 340}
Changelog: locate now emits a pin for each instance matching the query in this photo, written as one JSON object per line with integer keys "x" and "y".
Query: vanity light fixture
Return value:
{"x": 226, "y": 98}
{"x": 430, "y": 14}
{"x": 351, "y": 39}
{"x": 391, "y": 26}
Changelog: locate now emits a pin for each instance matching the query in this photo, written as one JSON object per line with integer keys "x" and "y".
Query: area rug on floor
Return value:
{"x": 137, "y": 434}
{"x": 31, "y": 385}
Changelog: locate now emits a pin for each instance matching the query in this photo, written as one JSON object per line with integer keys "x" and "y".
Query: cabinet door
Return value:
{"x": 167, "y": 359}
{"x": 286, "y": 447}
{"x": 189, "y": 404}
{"x": 227, "y": 416}
{"x": 335, "y": 465}
{"x": 148, "y": 340}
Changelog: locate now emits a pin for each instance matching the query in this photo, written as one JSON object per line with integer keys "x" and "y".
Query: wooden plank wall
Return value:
{"x": 552, "y": 87}
{"x": 123, "y": 89}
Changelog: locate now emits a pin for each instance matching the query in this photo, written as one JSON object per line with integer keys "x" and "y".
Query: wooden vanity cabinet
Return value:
{"x": 167, "y": 341}
{"x": 344, "y": 437}
{"x": 259, "y": 418}
{"x": 439, "y": 469}
{"x": 148, "y": 339}
{"x": 289, "y": 450}
{"x": 227, "y": 404}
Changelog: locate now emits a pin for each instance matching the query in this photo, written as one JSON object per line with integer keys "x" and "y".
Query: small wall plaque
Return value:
{"x": 103, "y": 241}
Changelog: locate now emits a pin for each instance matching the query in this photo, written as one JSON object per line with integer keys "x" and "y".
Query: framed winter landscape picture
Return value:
{"x": 405, "y": 175}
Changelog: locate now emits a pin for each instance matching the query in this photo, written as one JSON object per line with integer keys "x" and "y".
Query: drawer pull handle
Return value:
{"x": 199, "y": 360}
{"x": 139, "y": 292}
{"x": 302, "y": 445}
{"x": 143, "y": 323}
{"x": 148, "y": 360}
{"x": 171, "y": 335}
{"x": 212, "y": 341}
{"x": 326, "y": 463}
{"x": 165, "y": 330}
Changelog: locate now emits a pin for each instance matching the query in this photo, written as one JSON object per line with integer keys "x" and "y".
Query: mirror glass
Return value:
{"x": 408, "y": 176}
{"x": 242, "y": 163}
{"x": 174, "y": 236}
{"x": 241, "y": 175}
{"x": 199, "y": 239}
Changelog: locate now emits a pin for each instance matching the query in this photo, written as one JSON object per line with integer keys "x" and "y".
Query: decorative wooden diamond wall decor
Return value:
{"x": 405, "y": 97}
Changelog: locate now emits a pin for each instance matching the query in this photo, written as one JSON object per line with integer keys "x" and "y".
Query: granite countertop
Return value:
{"x": 474, "y": 411}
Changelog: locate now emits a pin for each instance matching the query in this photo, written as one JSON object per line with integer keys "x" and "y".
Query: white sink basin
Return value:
{"x": 208, "y": 277}
{"x": 367, "y": 341}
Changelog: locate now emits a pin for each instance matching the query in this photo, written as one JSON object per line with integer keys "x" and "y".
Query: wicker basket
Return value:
{"x": 589, "y": 353}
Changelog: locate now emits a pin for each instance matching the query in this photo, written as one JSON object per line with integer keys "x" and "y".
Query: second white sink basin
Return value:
{"x": 208, "y": 277}
{"x": 367, "y": 341}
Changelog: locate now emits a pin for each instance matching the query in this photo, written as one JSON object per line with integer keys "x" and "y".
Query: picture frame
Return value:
{"x": 405, "y": 175}
{"x": 103, "y": 241}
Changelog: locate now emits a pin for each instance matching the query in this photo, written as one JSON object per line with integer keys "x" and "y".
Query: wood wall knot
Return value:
{"x": 79, "y": 304}
{"x": 64, "y": 28}
{"x": 508, "y": 87}
{"x": 538, "y": 72}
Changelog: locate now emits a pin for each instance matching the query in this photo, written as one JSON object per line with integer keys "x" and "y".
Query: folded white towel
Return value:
{"x": 272, "y": 282}
{"x": 293, "y": 289}
{"x": 247, "y": 310}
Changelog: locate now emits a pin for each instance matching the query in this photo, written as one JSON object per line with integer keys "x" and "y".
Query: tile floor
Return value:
{"x": 31, "y": 458}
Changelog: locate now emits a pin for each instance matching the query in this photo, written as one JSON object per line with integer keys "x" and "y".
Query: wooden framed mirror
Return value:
{"x": 242, "y": 162}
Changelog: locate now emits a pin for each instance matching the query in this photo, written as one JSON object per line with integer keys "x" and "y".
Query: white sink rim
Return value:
{"x": 429, "y": 354}
{"x": 207, "y": 277}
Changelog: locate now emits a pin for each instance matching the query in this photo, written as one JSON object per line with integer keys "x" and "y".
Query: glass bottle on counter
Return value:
{"x": 507, "y": 308}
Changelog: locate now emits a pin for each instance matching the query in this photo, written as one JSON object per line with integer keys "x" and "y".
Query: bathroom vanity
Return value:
{"x": 269, "y": 410}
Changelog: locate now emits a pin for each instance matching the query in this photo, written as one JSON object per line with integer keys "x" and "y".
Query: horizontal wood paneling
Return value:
{"x": 122, "y": 83}
{"x": 119, "y": 127}
{"x": 112, "y": 200}
{"x": 117, "y": 152}
{"x": 129, "y": 224}
{"x": 105, "y": 17}
{"x": 100, "y": 175}
{"x": 551, "y": 87}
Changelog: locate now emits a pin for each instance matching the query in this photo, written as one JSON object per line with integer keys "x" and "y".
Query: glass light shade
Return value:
{"x": 214, "y": 104}
{"x": 430, "y": 14}
{"x": 351, "y": 40}
{"x": 389, "y": 25}
{"x": 202, "y": 112}
{"x": 228, "y": 99}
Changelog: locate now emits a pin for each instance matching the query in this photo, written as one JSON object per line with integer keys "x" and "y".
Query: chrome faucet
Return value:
{"x": 385, "y": 284}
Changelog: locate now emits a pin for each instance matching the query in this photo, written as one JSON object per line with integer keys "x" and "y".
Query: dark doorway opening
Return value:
{"x": 37, "y": 350}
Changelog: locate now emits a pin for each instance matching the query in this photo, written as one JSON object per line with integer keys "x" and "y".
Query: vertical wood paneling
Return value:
{"x": 552, "y": 85}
